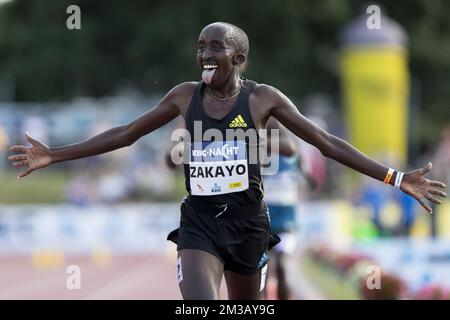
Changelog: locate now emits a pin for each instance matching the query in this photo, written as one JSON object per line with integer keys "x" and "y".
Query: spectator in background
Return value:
{"x": 281, "y": 195}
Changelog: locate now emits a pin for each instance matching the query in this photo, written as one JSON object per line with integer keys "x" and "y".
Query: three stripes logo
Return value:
{"x": 238, "y": 122}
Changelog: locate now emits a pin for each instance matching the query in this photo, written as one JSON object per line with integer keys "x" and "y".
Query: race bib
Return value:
{"x": 218, "y": 167}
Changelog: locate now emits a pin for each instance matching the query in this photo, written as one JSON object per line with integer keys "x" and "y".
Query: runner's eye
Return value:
{"x": 217, "y": 48}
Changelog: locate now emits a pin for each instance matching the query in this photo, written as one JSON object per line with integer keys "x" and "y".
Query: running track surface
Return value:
{"x": 121, "y": 277}
{"x": 124, "y": 277}
{"x": 137, "y": 277}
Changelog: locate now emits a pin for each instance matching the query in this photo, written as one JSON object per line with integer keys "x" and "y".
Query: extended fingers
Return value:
{"x": 426, "y": 207}
{"x": 439, "y": 184}
{"x": 25, "y": 173}
{"x": 20, "y": 163}
{"x": 18, "y": 148}
{"x": 433, "y": 199}
{"x": 18, "y": 157}
{"x": 438, "y": 192}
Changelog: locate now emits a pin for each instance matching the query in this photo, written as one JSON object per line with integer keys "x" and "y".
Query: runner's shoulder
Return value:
{"x": 185, "y": 88}
{"x": 180, "y": 95}
{"x": 267, "y": 93}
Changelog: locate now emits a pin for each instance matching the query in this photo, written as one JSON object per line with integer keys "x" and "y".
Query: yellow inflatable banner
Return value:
{"x": 375, "y": 88}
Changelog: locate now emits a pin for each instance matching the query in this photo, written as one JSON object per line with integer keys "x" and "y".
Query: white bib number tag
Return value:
{"x": 218, "y": 167}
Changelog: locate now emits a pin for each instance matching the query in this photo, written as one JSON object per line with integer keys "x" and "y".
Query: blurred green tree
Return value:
{"x": 151, "y": 45}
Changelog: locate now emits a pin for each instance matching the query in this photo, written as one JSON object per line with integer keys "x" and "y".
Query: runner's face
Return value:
{"x": 216, "y": 56}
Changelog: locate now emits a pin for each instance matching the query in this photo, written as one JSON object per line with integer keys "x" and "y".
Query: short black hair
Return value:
{"x": 237, "y": 36}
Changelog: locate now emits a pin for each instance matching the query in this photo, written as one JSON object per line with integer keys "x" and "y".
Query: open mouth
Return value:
{"x": 210, "y": 66}
{"x": 208, "y": 72}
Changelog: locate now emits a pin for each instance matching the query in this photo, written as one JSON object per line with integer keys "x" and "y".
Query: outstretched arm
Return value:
{"x": 414, "y": 183}
{"x": 286, "y": 144}
{"x": 38, "y": 155}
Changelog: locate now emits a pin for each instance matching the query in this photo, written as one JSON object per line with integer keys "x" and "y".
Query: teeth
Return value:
{"x": 210, "y": 66}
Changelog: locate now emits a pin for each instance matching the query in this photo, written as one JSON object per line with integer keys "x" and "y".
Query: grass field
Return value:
{"x": 48, "y": 187}
{"x": 38, "y": 187}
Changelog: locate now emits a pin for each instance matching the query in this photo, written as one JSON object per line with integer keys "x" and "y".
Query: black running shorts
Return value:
{"x": 239, "y": 237}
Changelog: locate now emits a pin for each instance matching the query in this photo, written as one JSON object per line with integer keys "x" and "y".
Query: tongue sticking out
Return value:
{"x": 207, "y": 75}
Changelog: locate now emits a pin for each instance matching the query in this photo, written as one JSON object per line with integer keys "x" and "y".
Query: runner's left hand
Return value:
{"x": 417, "y": 186}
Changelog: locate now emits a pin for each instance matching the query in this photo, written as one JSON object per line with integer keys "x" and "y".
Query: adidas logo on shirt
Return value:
{"x": 238, "y": 122}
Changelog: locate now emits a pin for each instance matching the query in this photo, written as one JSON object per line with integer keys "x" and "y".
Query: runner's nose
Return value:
{"x": 207, "y": 54}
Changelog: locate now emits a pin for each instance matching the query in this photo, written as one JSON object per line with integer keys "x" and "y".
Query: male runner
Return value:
{"x": 224, "y": 226}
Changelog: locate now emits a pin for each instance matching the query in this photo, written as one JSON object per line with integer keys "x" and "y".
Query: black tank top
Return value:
{"x": 238, "y": 118}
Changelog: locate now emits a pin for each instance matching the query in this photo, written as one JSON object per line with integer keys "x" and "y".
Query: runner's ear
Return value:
{"x": 238, "y": 59}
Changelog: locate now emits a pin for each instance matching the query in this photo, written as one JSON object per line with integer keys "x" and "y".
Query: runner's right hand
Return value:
{"x": 35, "y": 157}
